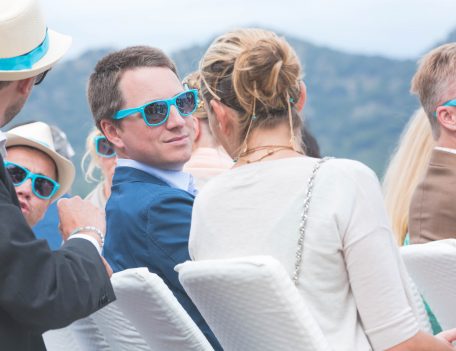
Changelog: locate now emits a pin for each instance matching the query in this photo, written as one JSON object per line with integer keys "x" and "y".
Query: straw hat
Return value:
{"x": 38, "y": 135}
{"x": 27, "y": 47}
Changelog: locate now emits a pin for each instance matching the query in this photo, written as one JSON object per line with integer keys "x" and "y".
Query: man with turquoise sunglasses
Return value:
{"x": 40, "y": 289}
{"x": 40, "y": 175}
{"x": 433, "y": 208}
{"x": 141, "y": 106}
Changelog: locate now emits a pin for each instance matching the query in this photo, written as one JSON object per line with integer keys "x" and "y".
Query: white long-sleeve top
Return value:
{"x": 352, "y": 276}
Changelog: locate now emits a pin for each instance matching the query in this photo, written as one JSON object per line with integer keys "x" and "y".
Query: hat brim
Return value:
{"x": 65, "y": 168}
{"x": 58, "y": 46}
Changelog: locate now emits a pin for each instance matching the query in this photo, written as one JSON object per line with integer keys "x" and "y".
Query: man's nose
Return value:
{"x": 25, "y": 189}
{"x": 175, "y": 119}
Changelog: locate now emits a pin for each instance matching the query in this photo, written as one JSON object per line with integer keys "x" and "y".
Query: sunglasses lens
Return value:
{"x": 40, "y": 77}
{"x": 16, "y": 173}
{"x": 186, "y": 103}
{"x": 105, "y": 148}
{"x": 43, "y": 186}
{"x": 156, "y": 112}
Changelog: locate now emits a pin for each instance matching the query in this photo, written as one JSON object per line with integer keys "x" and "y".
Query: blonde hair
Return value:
{"x": 433, "y": 80}
{"x": 406, "y": 169}
{"x": 90, "y": 157}
{"x": 257, "y": 74}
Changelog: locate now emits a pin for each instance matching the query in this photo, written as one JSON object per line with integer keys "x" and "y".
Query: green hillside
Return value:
{"x": 357, "y": 105}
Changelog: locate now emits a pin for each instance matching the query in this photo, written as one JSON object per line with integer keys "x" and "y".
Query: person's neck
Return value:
{"x": 205, "y": 138}
{"x": 107, "y": 188}
{"x": 447, "y": 140}
{"x": 269, "y": 144}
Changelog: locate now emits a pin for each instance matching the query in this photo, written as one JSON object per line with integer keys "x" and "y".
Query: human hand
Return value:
{"x": 75, "y": 212}
{"x": 107, "y": 266}
{"x": 449, "y": 336}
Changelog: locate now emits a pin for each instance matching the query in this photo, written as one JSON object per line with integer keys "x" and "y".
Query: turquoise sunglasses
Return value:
{"x": 42, "y": 186}
{"x": 451, "y": 103}
{"x": 156, "y": 113}
{"x": 103, "y": 147}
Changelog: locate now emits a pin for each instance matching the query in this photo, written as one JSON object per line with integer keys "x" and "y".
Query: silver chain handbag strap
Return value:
{"x": 303, "y": 224}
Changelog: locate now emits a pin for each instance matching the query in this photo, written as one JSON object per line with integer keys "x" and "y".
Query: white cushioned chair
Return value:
{"x": 151, "y": 307}
{"x": 251, "y": 304}
{"x": 60, "y": 339}
{"x": 105, "y": 330}
{"x": 432, "y": 267}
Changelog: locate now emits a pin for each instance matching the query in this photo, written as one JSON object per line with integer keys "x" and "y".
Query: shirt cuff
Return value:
{"x": 89, "y": 238}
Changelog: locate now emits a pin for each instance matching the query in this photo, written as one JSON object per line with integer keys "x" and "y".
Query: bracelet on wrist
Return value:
{"x": 89, "y": 229}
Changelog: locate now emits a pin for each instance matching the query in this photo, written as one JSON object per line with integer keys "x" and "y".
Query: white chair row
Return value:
{"x": 145, "y": 317}
{"x": 250, "y": 303}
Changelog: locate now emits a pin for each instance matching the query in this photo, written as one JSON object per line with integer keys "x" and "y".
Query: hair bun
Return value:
{"x": 268, "y": 71}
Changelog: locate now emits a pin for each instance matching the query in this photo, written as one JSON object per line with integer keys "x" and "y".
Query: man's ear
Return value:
{"x": 221, "y": 114}
{"x": 111, "y": 132}
{"x": 24, "y": 86}
{"x": 447, "y": 117}
{"x": 302, "y": 97}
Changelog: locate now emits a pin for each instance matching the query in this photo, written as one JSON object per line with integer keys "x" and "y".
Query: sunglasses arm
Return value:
{"x": 125, "y": 113}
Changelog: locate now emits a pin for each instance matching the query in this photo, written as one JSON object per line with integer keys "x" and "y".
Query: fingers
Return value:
{"x": 107, "y": 266}
{"x": 448, "y": 335}
{"x": 75, "y": 213}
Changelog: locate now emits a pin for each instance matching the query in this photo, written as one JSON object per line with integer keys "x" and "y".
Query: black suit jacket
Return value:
{"x": 41, "y": 289}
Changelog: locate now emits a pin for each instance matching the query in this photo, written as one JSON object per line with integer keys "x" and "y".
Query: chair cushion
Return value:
{"x": 432, "y": 267}
{"x": 152, "y": 308}
{"x": 251, "y": 303}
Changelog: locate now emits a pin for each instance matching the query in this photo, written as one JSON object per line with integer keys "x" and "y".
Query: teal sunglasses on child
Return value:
{"x": 42, "y": 186}
{"x": 156, "y": 113}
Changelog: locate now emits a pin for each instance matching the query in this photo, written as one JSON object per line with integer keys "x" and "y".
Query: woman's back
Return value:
{"x": 256, "y": 210}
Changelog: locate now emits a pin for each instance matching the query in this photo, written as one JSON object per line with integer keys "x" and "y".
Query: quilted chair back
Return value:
{"x": 250, "y": 303}
{"x": 105, "y": 330}
{"x": 432, "y": 266}
{"x": 60, "y": 339}
{"x": 153, "y": 310}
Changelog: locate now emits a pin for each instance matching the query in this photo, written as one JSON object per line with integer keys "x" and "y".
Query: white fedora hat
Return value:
{"x": 38, "y": 135}
{"x": 27, "y": 46}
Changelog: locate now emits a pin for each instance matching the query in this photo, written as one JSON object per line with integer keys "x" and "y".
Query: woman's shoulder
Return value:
{"x": 347, "y": 176}
{"x": 334, "y": 170}
{"x": 348, "y": 167}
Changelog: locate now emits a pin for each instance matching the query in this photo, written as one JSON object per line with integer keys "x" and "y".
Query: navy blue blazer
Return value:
{"x": 148, "y": 225}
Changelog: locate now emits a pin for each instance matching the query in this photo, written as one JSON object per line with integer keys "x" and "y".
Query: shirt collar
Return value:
{"x": 2, "y": 144}
{"x": 175, "y": 179}
{"x": 446, "y": 149}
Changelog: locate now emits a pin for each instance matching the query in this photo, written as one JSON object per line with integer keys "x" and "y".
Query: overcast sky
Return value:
{"x": 393, "y": 28}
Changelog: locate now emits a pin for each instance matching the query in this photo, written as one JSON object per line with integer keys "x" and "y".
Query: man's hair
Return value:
{"x": 433, "y": 81}
{"x": 104, "y": 95}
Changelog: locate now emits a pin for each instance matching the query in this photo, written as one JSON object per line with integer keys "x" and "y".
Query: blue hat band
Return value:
{"x": 27, "y": 60}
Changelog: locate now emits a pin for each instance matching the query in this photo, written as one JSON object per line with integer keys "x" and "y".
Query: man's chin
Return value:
{"x": 11, "y": 111}
{"x": 28, "y": 218}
